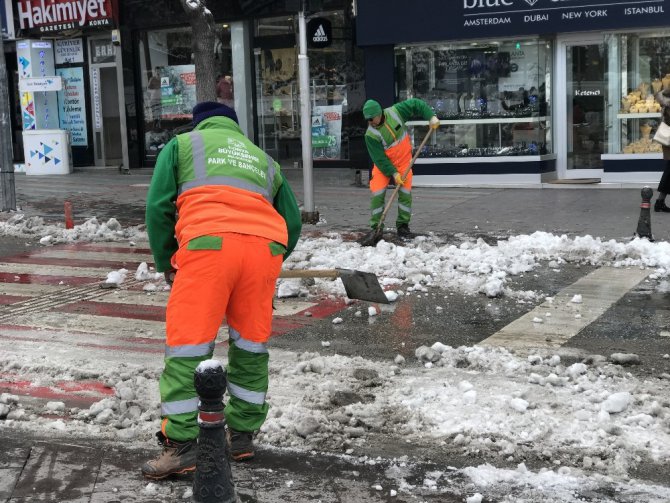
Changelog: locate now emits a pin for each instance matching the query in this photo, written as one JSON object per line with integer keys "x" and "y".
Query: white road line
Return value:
{"x": 108, "y": 325}
{"x": 29, "y": 289}
{"x": 57, "y": 270}
{"x": 288, "y": 307}
{"x": 95, "y": 255}
{"x": 599, "y": 290}
{"x": 120, "y": 296}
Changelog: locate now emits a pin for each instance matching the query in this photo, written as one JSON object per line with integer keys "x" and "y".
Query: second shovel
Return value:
{"x": 358, "y": 284}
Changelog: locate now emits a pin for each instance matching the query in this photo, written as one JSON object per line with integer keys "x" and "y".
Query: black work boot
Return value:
{"x": 659, "y": 205}
{"x": 241, "y": 444}
{"x": 176, "y": 457}
{"x": 404, "y": 232}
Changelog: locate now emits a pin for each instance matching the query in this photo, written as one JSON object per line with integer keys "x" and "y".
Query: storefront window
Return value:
{"x": 645, "y": 70}
{"x": 336, "y": 90}
{"x": 338, "y": 94}
{"x": 493, "y": 97}
{"x": 169, "y": 83}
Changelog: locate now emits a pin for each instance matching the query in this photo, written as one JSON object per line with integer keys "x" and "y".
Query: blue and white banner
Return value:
{"x": 72, "y": 104}
{"x": 500, "y": 18}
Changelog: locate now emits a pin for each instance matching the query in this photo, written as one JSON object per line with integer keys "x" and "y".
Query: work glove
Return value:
{"x": 434, "y": 122}
{"x": 398, "y": 179}
{"x": 169, "y": 276}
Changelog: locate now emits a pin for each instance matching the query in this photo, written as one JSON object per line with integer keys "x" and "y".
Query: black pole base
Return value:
{"x": 213, "y": 481}
{"x": 644, "y": 222}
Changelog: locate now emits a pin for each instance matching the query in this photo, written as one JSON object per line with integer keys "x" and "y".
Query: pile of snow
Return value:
{"x": 475, "y": 401}
{"x": 472, "y": 266}
{"x": 91, "y": 230}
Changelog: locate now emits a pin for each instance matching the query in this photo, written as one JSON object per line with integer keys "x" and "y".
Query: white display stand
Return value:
{"x": 47, "y": 152}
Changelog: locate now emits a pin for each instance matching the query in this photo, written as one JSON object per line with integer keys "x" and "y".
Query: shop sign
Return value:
{"x": 493, "y": 18}
{"x": 102, "y": 51}
{"x": 72, "y": 103}
{"x": 70, "y": 50}
{"x": 58, "y": 15}
{"x": 95, "y": 94}
{"x": 40, "y": 84}
{"x": 588, "y": 92}
{"x": 319, "y": 33}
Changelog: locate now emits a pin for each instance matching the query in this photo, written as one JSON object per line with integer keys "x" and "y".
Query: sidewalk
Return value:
{"x": 41, "y": 470}
{"x": 604, "y": 212}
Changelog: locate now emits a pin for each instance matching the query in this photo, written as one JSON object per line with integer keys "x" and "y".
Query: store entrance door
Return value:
{"x": 108, "y": 105}
{"x": 582, "y": 107}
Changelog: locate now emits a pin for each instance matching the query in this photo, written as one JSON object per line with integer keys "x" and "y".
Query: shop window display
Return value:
{"x": 491, "y": 97}
{"x": 169, "y": 83}
{"x": 336, "y": 91}
{"x": 645, "y": 71}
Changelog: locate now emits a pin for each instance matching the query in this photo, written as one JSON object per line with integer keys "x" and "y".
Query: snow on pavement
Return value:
{"x": 592, "y": 422}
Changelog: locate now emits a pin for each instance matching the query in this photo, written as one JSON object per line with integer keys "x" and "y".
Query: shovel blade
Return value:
{"x": 362, "y": 286}
{"x": 372, "y": 238}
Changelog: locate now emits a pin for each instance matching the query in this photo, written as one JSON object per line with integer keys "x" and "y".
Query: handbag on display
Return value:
{"x": 662, "y": 135}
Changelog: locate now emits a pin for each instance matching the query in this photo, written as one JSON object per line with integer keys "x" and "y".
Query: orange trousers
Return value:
{"x": 237, "y": 281}
{"x": 226, "y": 275}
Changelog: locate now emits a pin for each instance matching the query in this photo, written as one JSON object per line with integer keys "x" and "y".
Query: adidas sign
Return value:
{"x": 320, "y": 35}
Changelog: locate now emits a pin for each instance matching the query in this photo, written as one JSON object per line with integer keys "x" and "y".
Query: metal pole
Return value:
{"x": 309, "y": 214}
{"x": 8, "y": 196}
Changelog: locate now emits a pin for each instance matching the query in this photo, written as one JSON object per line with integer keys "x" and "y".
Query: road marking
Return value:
{"x": 42, "y": 318}
{"x": 56, "y": 270}
{"x": 119, "y": 256}
{"x": 599, "y": 290}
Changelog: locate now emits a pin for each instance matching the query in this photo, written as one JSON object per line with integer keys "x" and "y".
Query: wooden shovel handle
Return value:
{"x": 309, "y": 273}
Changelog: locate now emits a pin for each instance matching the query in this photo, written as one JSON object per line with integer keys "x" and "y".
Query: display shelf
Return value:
{"x": 487, "y": 159}
{"x": 624, "y": 157}
{"x": 501, "y": 120}
{"x": 649, "y": 115}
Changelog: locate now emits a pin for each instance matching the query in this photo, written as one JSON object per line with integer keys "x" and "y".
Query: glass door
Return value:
{"x": 583, "y": 107}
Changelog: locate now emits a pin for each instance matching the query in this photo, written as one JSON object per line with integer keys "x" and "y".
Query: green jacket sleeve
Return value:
{"x": 161, "y": 213}
{"x": 287, "y": 207}
{"x": 378, "y": 156}
{"x": 414, "y": 107}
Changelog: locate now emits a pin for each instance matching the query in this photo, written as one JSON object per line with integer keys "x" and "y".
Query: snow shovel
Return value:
{"x": 375, "y": 235}
{"x": 358, "y": 284}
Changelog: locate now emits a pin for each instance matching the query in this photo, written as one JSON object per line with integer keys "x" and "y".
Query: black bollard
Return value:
{"x": 644, "y": 222}
{"x": 213, "y": 482}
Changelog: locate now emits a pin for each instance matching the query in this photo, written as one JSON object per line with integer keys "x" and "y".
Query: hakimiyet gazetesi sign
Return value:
{"x": 56, "y": 15}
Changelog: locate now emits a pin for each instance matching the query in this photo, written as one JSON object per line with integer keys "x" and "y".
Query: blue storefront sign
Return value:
{"x": 434, "y": 20}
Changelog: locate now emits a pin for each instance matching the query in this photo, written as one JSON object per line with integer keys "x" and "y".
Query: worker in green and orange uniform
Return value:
{"x": 390, "y": 149}
{"x": 221, "y": 219}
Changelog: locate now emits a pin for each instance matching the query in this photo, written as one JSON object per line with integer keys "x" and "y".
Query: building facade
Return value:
{"x": 135, "y": 70}
{"x": 528, "y": 91}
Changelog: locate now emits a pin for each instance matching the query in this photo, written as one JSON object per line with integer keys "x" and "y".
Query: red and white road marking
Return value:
{"x": 51, "y": 304}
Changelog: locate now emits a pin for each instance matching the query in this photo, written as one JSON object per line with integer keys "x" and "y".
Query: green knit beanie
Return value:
{"x": 371, "y": 109}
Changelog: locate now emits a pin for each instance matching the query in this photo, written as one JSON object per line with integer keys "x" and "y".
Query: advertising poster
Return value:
{"x": 69, "y": 51}
{"x": 177, "y": 91}
{"x": 72, "y": 103}
{"x": 524, "y": 68}
{"x": 327, "y": 131}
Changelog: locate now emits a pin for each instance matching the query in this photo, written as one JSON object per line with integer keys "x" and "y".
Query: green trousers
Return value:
{"x": 245, "y": 409}
{"x": 404, "y": 207}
